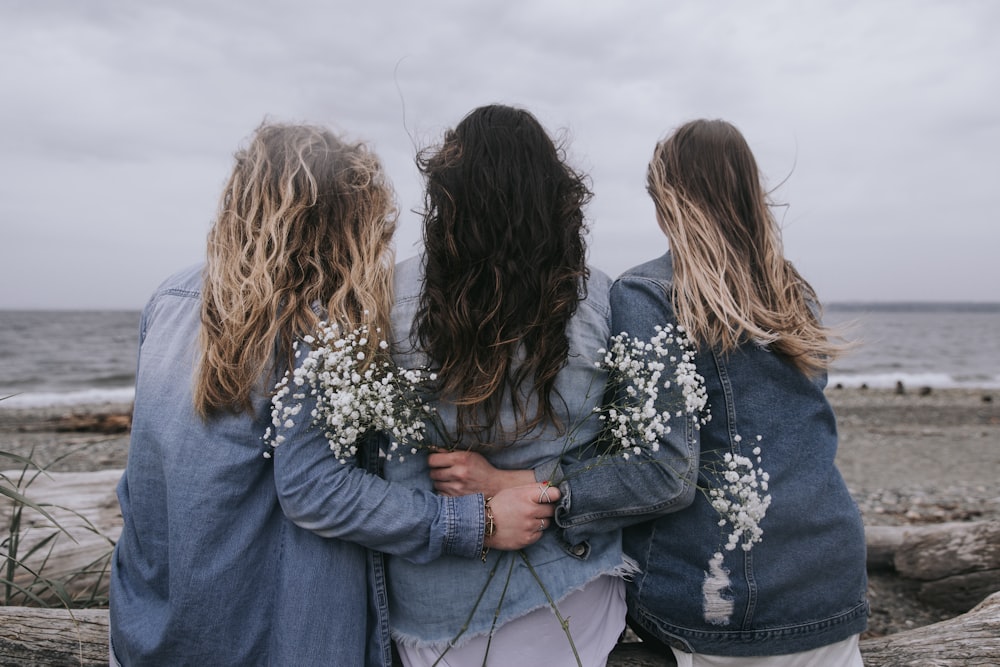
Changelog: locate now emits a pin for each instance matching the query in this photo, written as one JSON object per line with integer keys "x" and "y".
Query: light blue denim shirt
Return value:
{"x": 230, "y": 558}
{"x": 430, "y": 604}
{"x": 802, "y": 587}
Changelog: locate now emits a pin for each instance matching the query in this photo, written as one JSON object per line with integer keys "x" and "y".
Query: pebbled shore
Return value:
{"x": 912, "y": 458}
{"x": 917, "y": 458}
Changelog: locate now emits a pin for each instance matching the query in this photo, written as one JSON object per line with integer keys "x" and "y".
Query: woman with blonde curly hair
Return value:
{"x": 231, "y": 557}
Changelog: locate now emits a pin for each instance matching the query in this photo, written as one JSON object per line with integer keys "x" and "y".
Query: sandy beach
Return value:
{"x": 917, "y": 457}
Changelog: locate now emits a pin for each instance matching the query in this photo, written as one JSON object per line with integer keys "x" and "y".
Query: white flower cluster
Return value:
{"x": 352, "y": 397}
{"x": 742, "y": 499}
{"x": 638, "y": 366}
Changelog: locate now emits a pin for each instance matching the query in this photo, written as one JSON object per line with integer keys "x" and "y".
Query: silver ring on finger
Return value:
{"x": 541, "y": 525}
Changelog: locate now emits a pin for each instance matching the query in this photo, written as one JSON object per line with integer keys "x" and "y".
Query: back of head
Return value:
{"x": 732, "y": 283}
{"x": 505, "y": 254}
{"x": 709, "y": 164}
{"x": 305, "y": 220}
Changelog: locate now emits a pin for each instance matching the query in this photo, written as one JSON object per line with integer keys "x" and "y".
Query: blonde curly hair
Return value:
{"x": 303, "y": 233}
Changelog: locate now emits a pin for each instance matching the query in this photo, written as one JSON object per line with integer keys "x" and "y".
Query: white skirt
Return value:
{"x": 842, "y": 654}
{"x": 596, "y": 616}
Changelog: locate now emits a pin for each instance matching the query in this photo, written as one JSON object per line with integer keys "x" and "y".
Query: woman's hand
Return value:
{"x": 520, "y": 515}
{"x": 462, "y": 473}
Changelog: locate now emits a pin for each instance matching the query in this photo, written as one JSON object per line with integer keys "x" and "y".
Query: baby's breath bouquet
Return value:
{"x": 353, "y": 395}
{"x": 741, "y": 498}
{"x": 638, "y": 371}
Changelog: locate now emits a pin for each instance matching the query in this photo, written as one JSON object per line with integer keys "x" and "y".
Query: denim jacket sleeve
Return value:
{"x": 612, "y": 492}
{"x": 343, "y": 500}
{"x": 320, "y": 494}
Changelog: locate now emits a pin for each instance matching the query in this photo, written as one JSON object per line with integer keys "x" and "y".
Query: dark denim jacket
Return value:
{"x": 229, "y": 558}
{"x": 804, "y": 586}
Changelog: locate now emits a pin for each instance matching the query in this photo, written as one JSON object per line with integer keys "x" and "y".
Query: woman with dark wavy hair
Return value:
{"x": 503, "y": 305}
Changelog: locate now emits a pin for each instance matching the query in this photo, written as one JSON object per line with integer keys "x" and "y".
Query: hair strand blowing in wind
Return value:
{"x": 732, "y": 283}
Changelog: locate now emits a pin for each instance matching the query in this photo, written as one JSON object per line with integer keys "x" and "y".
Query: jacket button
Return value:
{"x": 579, "y": 549}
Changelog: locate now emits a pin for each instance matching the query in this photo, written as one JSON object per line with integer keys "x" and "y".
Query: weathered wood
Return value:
{"x": 85, "y": 504}
{"x": 883, "y": 542}
{"x": 957, "y": 563}
{"x": 971, "y": 639}
{"x": 83, "y": 422}
{"x": 32, "y": 637}
{"x": 968, "y": 640}
{"x": 944, "y": 549}
{"x": 43, "y": 637}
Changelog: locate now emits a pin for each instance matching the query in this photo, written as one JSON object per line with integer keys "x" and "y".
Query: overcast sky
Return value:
{"x": 880, "y": 120}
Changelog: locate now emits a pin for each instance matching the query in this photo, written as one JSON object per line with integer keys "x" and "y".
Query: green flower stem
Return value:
{"x": 555, "y": 609}
{"x": 468, "y": 620}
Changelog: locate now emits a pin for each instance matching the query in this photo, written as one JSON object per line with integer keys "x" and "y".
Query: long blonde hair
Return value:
{"x": 732, "y": 283}
{"x": 305, "y": 220}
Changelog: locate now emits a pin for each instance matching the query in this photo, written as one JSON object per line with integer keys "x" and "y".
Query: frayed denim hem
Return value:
{"x": 625, "y": 570}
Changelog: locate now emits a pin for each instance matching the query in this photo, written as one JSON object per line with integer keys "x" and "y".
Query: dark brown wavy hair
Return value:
{"x": 505, "y": 267}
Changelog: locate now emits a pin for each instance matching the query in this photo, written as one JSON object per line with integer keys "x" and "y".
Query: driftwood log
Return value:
{"x": 31, "y": 637}
{"x": 41, "y": 637}
{"x": 957, "y": 565}
{"x": 109, "y": 423}
{"x": 86, "y": 506}
{"x": 968, "y": 640}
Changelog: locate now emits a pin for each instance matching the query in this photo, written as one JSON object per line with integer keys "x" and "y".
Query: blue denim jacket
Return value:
{"x": 430, "y": 604}
{"x": 230, "y": 558}
{"x": 804, "y": 586}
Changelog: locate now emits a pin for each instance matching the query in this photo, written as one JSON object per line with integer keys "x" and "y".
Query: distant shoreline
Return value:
{"x": 915, "y": 306}
{"x": 86, "y": 400}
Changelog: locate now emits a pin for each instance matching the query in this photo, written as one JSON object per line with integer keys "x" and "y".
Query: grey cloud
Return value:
{"x": 883, "y": 117}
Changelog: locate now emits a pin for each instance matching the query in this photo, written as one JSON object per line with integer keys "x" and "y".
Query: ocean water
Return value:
{"x": 72, "y": 357}
{"x": 67, "y": 357}
{"x": 918, "y": 344}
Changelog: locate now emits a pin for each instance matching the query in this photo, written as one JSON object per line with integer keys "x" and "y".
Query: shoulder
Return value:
{"x": 595, "y": 296}
{"x": 184, "y": 283}
{"x": 177, "y": 298}
{"x": 641, "y": 296}
{"x": 660, "y": 270}
{"x": 654, "y": 276}
{"x": 410, "y": 265}
{"x": 408, "y": 281}
{"x": 408, "y": 278}
{"x": 598, "y": 281}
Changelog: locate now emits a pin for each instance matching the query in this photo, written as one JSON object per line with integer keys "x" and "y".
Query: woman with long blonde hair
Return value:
{"x": 799, "y": 595}
{"x": 232, "y": 555}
